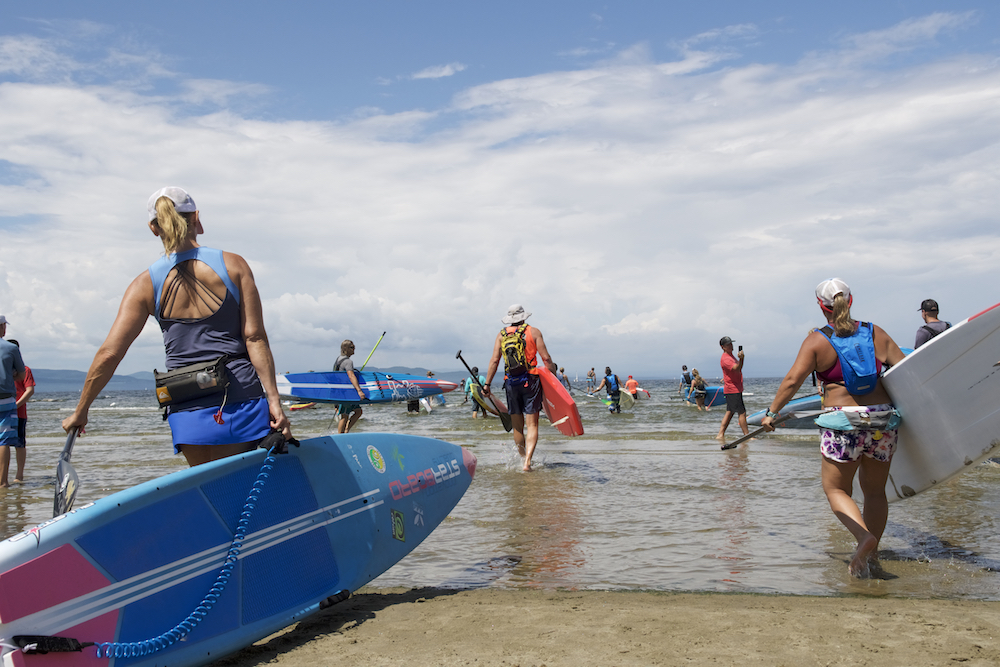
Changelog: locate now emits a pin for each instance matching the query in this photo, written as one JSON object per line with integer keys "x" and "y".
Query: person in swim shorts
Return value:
{"x": 848, "y": 448}
{"x": 521, "y": 344}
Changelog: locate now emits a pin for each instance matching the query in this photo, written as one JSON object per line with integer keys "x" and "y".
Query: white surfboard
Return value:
{"x": 947, "y": 392}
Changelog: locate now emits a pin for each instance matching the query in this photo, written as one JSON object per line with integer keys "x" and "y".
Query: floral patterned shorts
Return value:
{"x": 847, "y": 446}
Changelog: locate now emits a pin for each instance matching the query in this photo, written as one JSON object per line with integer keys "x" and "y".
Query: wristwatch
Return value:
{"x": 770, "y": 414}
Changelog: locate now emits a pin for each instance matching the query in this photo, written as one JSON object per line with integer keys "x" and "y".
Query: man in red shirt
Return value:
{"x": 732, "y": 373}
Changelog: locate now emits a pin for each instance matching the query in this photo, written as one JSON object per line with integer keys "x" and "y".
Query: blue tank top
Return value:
{"x": 193, "y": 341}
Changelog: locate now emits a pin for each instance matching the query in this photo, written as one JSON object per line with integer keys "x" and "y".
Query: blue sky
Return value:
{"x": 644, "y": 176}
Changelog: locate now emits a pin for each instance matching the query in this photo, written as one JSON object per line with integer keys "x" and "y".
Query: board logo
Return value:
{"x": 398, "y": 526}
{"x": 375, "y": 456}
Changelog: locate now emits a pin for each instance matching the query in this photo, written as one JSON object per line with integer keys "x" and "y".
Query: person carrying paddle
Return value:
{"x": 858, "y": 424}
{"x": 207, "y": 305}
{"x": 519, "y": 345}
{"x": 469, "y": 384}
{"x": 613, "y": 385}
{"x": 348, "y": 414}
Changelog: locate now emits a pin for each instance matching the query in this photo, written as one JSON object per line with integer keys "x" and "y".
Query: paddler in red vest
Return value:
{"x": 519, "y": 344}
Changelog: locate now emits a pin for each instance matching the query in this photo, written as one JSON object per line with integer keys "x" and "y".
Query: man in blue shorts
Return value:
{"x": 519, "y": 344}
{"x": 11, "y": 371}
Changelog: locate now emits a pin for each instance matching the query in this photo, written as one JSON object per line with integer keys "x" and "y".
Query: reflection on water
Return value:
{"x": 644, "y": 500}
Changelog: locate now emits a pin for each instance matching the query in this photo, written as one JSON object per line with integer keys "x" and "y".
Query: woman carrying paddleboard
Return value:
{"x": 209, "y": 310}
{"x": 858, "y": 424}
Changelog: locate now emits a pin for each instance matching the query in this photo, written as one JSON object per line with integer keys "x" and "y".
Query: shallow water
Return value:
{"x": 644, "y": 500}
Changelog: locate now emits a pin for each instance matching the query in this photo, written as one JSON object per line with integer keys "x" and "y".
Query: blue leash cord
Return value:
{"x": 182, "y": 629}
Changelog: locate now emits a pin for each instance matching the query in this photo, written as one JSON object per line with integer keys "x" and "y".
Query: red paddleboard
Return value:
{"x": 559, "y": 405}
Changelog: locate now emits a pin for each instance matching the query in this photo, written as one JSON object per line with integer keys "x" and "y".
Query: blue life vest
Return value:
{"x": 857, "y": 358}
{"x": 611, "y": 384}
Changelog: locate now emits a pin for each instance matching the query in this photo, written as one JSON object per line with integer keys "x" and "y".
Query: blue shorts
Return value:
{"x": 524, "y": 397}
{"x": 243, "y": 422}
{"x": 8, "y": 423}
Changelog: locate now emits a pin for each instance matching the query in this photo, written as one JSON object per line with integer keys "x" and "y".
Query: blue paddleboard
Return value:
{"x": 330, "y": 516}
{"x": 336, "y": 387}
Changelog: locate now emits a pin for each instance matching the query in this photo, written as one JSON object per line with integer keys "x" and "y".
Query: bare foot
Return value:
{"x": 4, "y": 485}
{"x": 18, "y": 480}
{"x": 859, "y": 566}
{"x": 527, "y": 467}
{"x": 721, "y": 436}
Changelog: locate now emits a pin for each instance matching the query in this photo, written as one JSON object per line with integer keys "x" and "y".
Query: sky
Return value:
{"x": 644, "y": 177}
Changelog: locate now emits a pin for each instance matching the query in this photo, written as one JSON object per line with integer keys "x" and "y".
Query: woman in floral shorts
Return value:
{"x": 852, "y": 435}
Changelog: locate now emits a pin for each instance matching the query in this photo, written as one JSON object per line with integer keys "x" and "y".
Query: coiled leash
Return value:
{"x": 275, "y": 443}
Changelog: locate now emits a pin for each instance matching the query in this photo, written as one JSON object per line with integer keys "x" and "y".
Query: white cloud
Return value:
{"x": 439, "y": 71}
{"x": 640, "y": 209}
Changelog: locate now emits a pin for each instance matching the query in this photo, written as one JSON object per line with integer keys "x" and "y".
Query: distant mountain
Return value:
{"x": 47, "y": 380}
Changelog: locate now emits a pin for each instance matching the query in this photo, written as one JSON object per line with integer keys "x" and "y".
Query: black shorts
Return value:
{"x": 524, "y": 397}
{"x": 22, "y": 429}
{"x": 734, "y": 403}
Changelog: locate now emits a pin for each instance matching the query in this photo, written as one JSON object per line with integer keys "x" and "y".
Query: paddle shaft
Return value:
{"x": 734, "y": 443}
{"x": 373, "y": 351}
{"x": 504, "y": 417}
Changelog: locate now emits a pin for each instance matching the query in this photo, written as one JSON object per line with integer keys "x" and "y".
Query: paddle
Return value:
{"x": 67, "y": 481}
{"x": 373, "y": 351}
{"x": 732, "y": 445}
{"x": 504, "y": 417}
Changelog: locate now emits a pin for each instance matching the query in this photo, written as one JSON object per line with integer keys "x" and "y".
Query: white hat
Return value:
{"x": 827, "y": 290}
{"x": 179, "y": 196}
{"x": 515, "y": 314}
{"x": 3, "y": 320}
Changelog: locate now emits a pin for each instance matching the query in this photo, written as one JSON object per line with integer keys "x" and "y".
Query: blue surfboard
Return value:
{"x": 336, "y": 387}
{"x": 713, "y": 396}
{"x": 130, "y": 568}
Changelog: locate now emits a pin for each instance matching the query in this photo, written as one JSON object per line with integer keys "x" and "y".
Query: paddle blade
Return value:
{"x": 505, "y": 420}
{"x": 67, "y": 481}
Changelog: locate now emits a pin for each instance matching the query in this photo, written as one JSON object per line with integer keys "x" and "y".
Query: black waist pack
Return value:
{"x": 189, "y": 382}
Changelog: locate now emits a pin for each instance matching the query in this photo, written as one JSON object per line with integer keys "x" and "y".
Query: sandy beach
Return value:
{"x": 533, "y": 628}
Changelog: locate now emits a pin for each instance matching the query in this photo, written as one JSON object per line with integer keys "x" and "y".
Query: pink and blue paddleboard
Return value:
{"x": 155, "y": 569}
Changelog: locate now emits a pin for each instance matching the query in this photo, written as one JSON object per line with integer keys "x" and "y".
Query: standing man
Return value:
{"x": 25, "y": 389}
{"x": 632, "y": 387}
{"x": 348, "y": 413}
{"x": 591, "y": 380}
{"x": 932, "y": 325}
{"x": 613, "y": 385}
{"x": 564, "y": 379}
{"x": 519, "y": 344}
{"x": 11, "y": 370}
{"x": 732, "y": 373}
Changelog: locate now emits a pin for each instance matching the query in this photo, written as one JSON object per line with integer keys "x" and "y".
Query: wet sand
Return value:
{"x": 532, "y": 628}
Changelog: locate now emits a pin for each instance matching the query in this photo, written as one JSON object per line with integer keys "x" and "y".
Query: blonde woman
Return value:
{"x": 698, "y": 387}
{"x": 857, "y": 428}
{"x": 207, "y": 305}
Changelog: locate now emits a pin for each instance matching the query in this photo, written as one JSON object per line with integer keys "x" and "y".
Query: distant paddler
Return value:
{"x": 858, "y": 424}
{"x": 519, "y": 345}
{"x": 613, "y": 385}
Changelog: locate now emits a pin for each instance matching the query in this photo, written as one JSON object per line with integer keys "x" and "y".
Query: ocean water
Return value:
{"x": 645, "y": 500}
